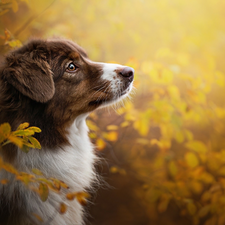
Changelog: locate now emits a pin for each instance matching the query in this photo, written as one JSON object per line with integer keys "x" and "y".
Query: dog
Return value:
{"x": 52, "y": 84}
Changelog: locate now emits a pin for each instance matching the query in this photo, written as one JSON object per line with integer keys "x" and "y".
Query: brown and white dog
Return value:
{"x": 53, "y": 85}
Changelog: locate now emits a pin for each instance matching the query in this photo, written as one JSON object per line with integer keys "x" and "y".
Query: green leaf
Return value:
{"x": 26, "y": 132}
{"x": 22, "y": 126}
{"x": 35, "y": 142}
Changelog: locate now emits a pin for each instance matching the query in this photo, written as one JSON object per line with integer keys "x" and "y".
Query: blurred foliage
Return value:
{"x": 170, "y": 138}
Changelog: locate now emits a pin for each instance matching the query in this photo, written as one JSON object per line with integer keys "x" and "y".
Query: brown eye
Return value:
{"x": 71, "y": 67}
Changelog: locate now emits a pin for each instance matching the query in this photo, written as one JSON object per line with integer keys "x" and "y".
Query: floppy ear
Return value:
{"x": 31, "y": 76}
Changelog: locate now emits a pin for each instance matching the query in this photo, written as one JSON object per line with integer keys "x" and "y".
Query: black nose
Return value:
{"x": 128, "y": 73}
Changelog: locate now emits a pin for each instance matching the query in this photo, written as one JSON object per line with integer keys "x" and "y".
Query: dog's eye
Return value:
{"x": 71, "y": 67}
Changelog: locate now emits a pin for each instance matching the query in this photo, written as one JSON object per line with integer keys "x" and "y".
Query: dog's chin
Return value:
{"x": 101, "y": 103}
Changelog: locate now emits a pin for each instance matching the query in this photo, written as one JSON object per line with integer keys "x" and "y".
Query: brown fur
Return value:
{"x": 37, "y": 87}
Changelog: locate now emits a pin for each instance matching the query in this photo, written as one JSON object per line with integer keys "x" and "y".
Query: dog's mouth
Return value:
{"x": 103, "y": 101}
{"x": 97, "y": 102}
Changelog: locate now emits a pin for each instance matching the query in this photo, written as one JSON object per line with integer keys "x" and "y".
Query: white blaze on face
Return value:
{"x": 110, "y": 74}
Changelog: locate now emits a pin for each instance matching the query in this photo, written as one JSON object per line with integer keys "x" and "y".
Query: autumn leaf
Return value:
{"x": 191, "y": 159}
{"x": 4, "y": 181}
{"x": 37, "y": 217}
{"x": 70, "y": 196}
{"x": 5, "y": 130}
{"x": 9, "y": 168}
{"x": 14, "y": 6}
{"x": 111, "y": 136}
{"x": 15, "y": 140}
{"x": 204, "y": 211}
{"x": 34, "y": 142}
{"x": 62, "y": 208}
{"x": 112, "y": 127}
{"x": 82, "y": 197}
{"x": 37, "y": 172}
{"x": 43, "y": 191}
{"x": 191, "y": 207}
{"x": 22, "y": 126}
{"x": 100, "y": 144}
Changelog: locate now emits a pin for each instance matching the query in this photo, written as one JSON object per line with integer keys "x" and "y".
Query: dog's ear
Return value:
{"x": 31, "y": 75}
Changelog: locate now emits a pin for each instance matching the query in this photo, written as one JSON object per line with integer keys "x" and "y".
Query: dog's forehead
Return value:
{"x": 68, "y": 47}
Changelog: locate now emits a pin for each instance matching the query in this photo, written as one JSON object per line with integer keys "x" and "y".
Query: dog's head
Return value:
{"x": 59, "y": 74}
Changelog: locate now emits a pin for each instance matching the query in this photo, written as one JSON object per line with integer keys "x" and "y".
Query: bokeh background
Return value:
{"x": 163, "y": 151}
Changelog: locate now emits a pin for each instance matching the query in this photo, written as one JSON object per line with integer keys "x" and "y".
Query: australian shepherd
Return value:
{"x": 52, "y": 84}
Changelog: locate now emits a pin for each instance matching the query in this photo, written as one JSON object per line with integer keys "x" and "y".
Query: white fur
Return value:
{"x": 109, "y": 74}
{"x": 72, "y": 164}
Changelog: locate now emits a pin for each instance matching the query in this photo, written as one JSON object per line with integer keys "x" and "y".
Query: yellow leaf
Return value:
{"x": 142, "y": 125}
{"x": 179, "y": 137}
{"x": 9, "y": 168}
{"x": 37, "y": 172}
{"x": 204, "y": 211}
{"x": 34, "y": 129}
{"x": 154, "y": 142}
{"x": 142, "y": 141}
{"x": 192, "y": 209}
{"x": 92, "y": 135}
{"x": 207, "y": 178}
{"x": 43, "y": 191}
{"x": 25, "y": 178}
{"x": 3, "y": 12}
{"x": 23, "y": 126}
{"x": 92, "y": 126}
{"x": 120, "y": 111}
{"x": 206, "y": 196}
{"x": 100, "y": 144}
{"x": 16, "y": 141}
{"x": 5, "y": 129}
{"x": 197, "y": 146}
{"x": 196, "y": 187}
{"x": 4, "y": 181}
{"x": 221, "y": 171}
{"x": 62, "y": 208}
{"x": 173, "y": 168}
{"x": 25, "y": 132}
{"x": 14, "y": 43}
{"x": 163, "y": 204}
{"x": 37, "y": 217}
{"x": 115, "y": 169}
{"x": 70, "y": 196}
{"x": 188, "y": 135}
{"x": 174, "y": 92}
{"x": 14, "y": 6}
{"x": 146, "y": 67}
{"x": 112, "y": 136}
{"x": 64, "y": 185}
{"x": 191, "y": 159}
{"x": 34, "y": 142}
{"x": 112, "y": 127}
{"x": 125, "y": 124}
{"x": 82, "y": 197}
